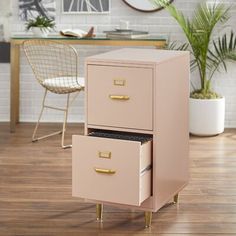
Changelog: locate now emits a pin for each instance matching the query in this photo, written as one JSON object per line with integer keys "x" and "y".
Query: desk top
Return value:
{"x": 154, "y": 41}
{"x": 97, "y": 38}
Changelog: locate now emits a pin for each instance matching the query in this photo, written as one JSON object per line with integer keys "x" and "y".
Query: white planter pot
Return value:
{"x": 38, "y": 32}
{"x": 206, "y": 116}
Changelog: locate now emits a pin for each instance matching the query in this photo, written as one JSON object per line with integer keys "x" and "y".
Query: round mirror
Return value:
{"x": 143, "y": 5}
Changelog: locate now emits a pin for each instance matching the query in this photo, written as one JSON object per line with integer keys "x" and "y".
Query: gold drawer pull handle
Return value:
{"x": 119, "y": 97}
{"x": 104, "y": 155}
{"x": 105, "y": 171}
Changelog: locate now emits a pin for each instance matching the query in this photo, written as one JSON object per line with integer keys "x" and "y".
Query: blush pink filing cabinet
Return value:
{"x": 142, "y": 92}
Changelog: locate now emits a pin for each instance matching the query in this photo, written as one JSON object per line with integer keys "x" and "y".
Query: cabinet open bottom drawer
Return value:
{"x": 111, "y": 170}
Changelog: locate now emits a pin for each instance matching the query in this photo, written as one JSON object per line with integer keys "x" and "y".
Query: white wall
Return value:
{"x": 157, "y": 23}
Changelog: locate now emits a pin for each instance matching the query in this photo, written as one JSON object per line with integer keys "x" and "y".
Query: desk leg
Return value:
{"x": 14, "y": 87}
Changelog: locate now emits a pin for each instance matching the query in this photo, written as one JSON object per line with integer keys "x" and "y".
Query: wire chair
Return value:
{"x": 55, "y": 66}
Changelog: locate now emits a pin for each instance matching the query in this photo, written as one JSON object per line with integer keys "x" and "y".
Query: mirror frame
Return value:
{"x": 140, "y": 10}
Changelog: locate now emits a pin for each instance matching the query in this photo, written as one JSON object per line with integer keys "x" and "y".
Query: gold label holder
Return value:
{"x": 106, "y": 155}
{"x": 119, "y": 82}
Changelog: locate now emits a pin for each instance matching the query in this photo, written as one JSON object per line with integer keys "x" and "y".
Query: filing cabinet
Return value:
{"x": 135, "y": 149}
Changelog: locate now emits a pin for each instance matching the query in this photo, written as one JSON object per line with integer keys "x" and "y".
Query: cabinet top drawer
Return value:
{"x": 119, "y": 96}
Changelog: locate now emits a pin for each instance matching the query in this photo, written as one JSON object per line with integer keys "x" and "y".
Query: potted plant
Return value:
{"x": 40, "y": 26}
{"x": 210, "y": 53}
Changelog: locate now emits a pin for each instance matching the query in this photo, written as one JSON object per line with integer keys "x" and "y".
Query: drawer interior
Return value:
{"x": 143, "y": 138}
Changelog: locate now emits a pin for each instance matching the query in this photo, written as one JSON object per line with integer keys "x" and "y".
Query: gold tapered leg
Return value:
{"x": 99, "y": 211}
{"x": 148, "y": 219}
{"x": 176, "y": 198}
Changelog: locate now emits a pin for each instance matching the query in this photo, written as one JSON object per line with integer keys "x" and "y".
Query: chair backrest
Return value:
{"x": 52, "y": 60}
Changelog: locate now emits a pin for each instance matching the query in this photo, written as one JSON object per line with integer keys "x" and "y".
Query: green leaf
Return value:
{"x": 41, "y": 22}
{"x": 224, "y": 48}
{"x": 209, "y": 55}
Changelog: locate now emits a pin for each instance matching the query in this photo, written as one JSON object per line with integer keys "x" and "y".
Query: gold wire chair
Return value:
{"x": 55, "y": 66}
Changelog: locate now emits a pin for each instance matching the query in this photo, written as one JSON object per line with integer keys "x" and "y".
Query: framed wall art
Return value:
{"x": 29, "y": 9}
{"x": 86, "y": 6}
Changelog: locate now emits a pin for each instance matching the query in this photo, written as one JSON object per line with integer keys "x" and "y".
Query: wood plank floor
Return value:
{"x": 35, "y": 192}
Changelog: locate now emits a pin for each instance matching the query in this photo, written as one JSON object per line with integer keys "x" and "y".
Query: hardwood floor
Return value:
{"x": 35, "y": 192}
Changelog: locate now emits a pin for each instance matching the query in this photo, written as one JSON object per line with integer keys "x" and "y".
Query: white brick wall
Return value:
{"x": 157, "y": 23}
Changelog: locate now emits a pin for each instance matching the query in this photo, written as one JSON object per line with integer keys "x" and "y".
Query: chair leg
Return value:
{"x": 34, "y": 138}
{"x": 40, "y": 115}
{"x": 65, "y": 123}
{"x": 68, "y": 103}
